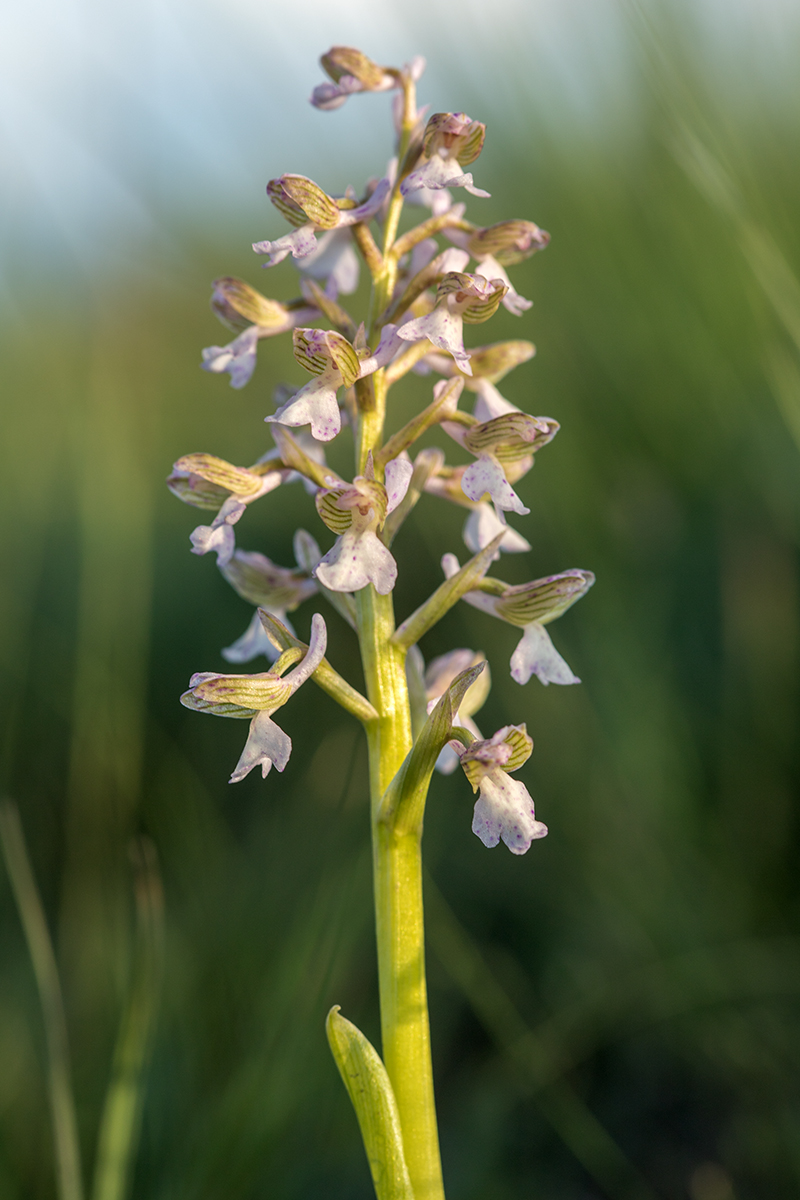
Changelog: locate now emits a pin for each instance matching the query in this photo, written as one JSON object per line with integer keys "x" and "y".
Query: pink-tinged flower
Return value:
{"x": 439, "y": 674}
{"x": 219, "y": 535}
{"x": 459, "y": 298}
{"x": 257, "y": 697}
{"x": 262, "y": 583}
{"x": 450, "y": 141}
{"x": 305, "y": 205}
{"x": 241, "y": 307}
{"x": 205, "y": 481}
{"x": 504, "y": 444}
{"x": 333, "y": 259}
{"x": 357, "y": 513}
{"x": 352, "y": 72}
{"x": 335, "y": 363}
{"x": 490, "y": 268}
{"x": 483, "y": 525}
{"x": 531, "y": 606}
{"x": 504, "y": 808}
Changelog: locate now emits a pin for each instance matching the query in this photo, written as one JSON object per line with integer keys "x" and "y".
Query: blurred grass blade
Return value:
{"x": 40, "y": 947}
{"x": 122, "y": 1111}
{"x": 576, "y": 1125}
{"x": 783, "y": 372}
{"x": 368, "y": 1086}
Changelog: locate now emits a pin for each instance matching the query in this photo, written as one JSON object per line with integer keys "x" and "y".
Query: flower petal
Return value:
{"x": 504, "y": 809}
{"x": 490, "y": 268}
{"x": 314, "y": 404}
{"x": 536, "y": 655}
{"x": 397, "y": 478}
{"x": 487, "y": 475}
{"x": 299, "y": 243}
{"x": 266, "y": 745}
{"x": 489, "y": 403}
{"x": 254, "y": 641}
{"x": 219, "y": 536}
{"x": 356, "y": 559}
{"x": 238, "y": 358}
{"x": 444, "y": 329}
{"x": 438, "y": 172}
{"x": 483, "y": 525}
{"x": 334, "y": 259}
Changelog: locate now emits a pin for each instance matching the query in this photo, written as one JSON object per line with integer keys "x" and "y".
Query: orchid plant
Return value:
{"x": 417, "y": 719}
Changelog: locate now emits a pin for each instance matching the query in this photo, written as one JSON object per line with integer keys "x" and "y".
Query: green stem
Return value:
{"x": 397, "y": 865}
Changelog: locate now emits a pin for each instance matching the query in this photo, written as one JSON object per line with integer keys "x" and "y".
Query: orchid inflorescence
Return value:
{"x": 423, "y": 294}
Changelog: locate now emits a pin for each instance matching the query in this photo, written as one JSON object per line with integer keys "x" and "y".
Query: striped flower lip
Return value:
{"x": 460, "y": 297}
{"x": 504, "y": 808}
{"x": 357, "y": 514}
{"x": 531, "y": 606}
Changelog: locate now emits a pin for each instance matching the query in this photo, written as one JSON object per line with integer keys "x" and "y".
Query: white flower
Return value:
{"x": 504, "y": 808}
{"x": 257, "y": 697}
{"x": 357, "y": 513}
{"x": 459, "y": 298}
{"x": 335, "y": 363}
{"x": 531, "y": 606}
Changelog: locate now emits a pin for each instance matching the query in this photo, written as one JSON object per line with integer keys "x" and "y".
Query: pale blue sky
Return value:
{"x": 112, "y": 114}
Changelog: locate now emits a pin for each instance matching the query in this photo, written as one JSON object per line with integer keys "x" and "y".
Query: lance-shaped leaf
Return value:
{"x": 324, "y": 676}
{"x": 403, "y": 805}
{"x": 446, "y": 394}
{"x": 446, "y": 595}
{"x": 370, "y": 1091}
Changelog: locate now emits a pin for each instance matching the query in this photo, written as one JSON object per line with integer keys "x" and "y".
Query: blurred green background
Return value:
{"x": 616, "y": 1013}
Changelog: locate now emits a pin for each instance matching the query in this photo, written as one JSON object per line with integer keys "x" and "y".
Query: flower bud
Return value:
{"x": 344, "y": 60}
{"x": 302, "y": 201}
{"x": 457, "y": 134}
{"x": 238, "y": 305}
{"x": 338, "y": 506}
{"x": 509, "y": 242}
